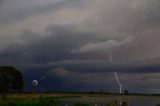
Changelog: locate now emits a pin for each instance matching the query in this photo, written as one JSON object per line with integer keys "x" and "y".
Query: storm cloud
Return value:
{"x": 69, "y": 42}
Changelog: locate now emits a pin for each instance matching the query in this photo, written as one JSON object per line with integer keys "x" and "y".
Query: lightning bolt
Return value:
{"x": 115, "y": 73}
{"x": 120, "y": 85}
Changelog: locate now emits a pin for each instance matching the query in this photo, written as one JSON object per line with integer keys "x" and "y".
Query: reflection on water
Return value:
{"x": 102, "y": 101}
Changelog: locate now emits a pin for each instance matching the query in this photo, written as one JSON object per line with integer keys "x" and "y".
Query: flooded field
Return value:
{"x": 102, "y": 101}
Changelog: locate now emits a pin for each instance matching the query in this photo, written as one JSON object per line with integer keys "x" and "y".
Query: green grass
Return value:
{"x": 42, "y": 101}
{"x": 45, "y": 99}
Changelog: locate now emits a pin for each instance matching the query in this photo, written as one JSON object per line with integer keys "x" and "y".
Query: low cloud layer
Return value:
{"x": 103, "y": 46}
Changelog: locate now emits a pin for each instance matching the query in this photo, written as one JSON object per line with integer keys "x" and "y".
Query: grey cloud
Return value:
{"x": 63, "y": 78}
{"x": 18, "y": 12}
{"x": 102, "y": 80}
{"x": 129, "y": 28}
{"x": 95, "y": 68}
{"x": 1, "y": 2}
{"x": 56, "y": 46}
{"x": 103, "y": 46}
{"x": 140, "y": 81}
{"x": 118, "y": 20}
{"x": 85, "y": 79}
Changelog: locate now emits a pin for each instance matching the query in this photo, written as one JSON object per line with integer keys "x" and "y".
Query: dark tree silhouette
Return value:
{"x": 10, "y": 80}
{"x": 126, "y": 92}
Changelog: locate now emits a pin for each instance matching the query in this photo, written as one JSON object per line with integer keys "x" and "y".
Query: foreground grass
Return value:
{"x": 41, "y": 100}
{"x": 48, "y": 99}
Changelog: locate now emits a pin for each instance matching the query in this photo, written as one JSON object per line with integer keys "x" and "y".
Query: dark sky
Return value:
{"x": 69, "y": 41}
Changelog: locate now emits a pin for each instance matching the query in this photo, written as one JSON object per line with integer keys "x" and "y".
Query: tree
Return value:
{"x": 126, "y": 92}
{"x": 10, "y": 80}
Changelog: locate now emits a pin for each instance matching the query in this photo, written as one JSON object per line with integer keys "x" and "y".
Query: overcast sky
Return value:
{"x": 72, "y": 42}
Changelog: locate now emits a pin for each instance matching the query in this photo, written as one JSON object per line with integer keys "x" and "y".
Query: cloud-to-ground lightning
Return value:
{"x": 120, "y": 85}
{"x": 115, "y": 73}
{"x": 117, "y": 79}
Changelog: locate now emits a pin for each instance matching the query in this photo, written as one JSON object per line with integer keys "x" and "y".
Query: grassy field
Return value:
{"x": 45, "y": 99}
{"x": 50, "y": 99}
